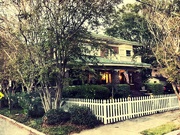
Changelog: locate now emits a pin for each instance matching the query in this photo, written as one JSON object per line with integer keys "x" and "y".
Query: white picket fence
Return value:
{"x": 113, "y": 110}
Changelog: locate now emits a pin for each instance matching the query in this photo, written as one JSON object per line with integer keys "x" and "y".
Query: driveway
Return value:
{"x": 134, "y": 126}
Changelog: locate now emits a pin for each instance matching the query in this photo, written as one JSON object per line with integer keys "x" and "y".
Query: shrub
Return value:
{"x": 24, "y": 101}
{"x": 83, "y": 116}
{"x": 56, "y": 116}
{"x": 74, "y": 92}
{"x": 122, "y": 91}
{"x": 31, "y": 104}
{"x": 86, "y": 91}
{"x": 21, "y": 118}
{"x": 98, "y": 92}
{"x": 14, "y": 101}
{"x": 155, "y": 88}
{"x": 36, "y": 108}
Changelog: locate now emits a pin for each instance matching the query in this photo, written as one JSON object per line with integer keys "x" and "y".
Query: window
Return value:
{"x": 128, "y": 53}
{"x": 105, "y": 77}
{"x": 116, "y": 50}
{"x": 104, "y": 52}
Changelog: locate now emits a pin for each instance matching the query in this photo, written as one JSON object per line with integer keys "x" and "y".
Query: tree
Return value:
{"x": 163, "y": 22}
{"x": 129, "y": 23}
{"x": 51, "y": 35}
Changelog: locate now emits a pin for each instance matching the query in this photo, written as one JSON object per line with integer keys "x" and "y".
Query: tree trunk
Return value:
{"x": 175, "y": 91}
{"x": 46, "y": 98}
{"x": 9, "y": 103}
{"x": 58, "y": 95}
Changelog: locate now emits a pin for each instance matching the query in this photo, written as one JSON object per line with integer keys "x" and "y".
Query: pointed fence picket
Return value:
{"x": 113, "y": 110}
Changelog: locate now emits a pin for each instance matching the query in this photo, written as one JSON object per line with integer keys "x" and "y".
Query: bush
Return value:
{"x": 20, "y": 118}
{"x": 14, "y": 101}
{"x": 24, "y": 101}
{"x": 86, "y": 91}
{"x": 83, "y": 116}
{"x": 31, "y": 104}
{"x": 155, "y": 88}
{"x": 122, "y": 91}
{"x": 56, "y": 116}
{"x": 36, "y": 109}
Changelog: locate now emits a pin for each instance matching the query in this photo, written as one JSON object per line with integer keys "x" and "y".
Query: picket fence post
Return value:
{"x": 105, "y": 112}
{"x": 129, "y": 108}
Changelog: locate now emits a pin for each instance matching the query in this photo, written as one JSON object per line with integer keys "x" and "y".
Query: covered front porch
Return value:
{"x": 111, "y": 72}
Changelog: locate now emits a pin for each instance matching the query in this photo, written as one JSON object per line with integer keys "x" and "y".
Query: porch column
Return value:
{"x": 115, "y": 77}
{"x": 137, "y": 80}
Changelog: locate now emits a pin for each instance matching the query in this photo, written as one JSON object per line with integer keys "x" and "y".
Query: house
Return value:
{"x": 158, "y": 78}
{"x": 116, "y": 64}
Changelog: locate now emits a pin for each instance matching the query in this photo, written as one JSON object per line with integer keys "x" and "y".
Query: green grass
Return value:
{"x": 37, "y": 123}
{"x": 161, "y": 130}
{"x": 60, "y": 130}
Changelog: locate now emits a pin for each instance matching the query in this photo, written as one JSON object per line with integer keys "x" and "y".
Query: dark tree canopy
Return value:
{"x": 47, "y": 36}
{"x": 129, "y": 23}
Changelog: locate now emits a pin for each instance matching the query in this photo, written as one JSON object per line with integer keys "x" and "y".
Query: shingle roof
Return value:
{"x": 112, "y": 40}
{"x": 108, "y": 62}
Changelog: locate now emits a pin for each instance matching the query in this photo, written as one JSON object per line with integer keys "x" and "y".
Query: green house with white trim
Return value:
{"x": 116, "y": 62}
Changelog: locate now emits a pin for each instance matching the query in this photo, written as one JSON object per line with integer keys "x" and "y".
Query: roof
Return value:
{"x": 112, "y": 40}
{"x": 100, "y": 61}
{"x": 108, "y": 62}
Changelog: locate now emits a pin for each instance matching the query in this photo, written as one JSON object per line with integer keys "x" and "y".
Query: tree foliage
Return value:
{"x": 163, "y": 22}
{"x": 46, "y": 36}
{"x": 129, "y": 23}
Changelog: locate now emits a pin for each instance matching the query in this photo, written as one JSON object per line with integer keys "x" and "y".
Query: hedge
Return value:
{"x": 155, "y": 88}
{"x": 122, "y": 91}
{"x": 81, "y": 115}
{"x": 86, "y": 91}
{"x": 56, "y": 116}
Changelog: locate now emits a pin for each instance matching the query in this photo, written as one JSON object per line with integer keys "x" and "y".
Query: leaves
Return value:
{"x": 45, "y": 37}
{"x": 129, "y": 23}
{"x": 164, "y": 26}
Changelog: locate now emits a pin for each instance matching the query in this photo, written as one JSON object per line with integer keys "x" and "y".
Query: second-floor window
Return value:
{"x": 104, "y": 52}
{"x": 128, "y": 52}
{"x": 115, "y": 50}
{"x": 109, "y": 51}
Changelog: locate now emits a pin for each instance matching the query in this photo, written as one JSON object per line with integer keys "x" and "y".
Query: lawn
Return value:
{"x": 163, "y": 129}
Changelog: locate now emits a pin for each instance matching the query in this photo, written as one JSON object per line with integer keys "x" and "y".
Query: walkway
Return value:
{"x": 134, "y": 126}
{"x": 11, "y": 127}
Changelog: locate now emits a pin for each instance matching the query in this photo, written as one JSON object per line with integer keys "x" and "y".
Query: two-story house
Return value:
{"x": 116, "y": 62}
